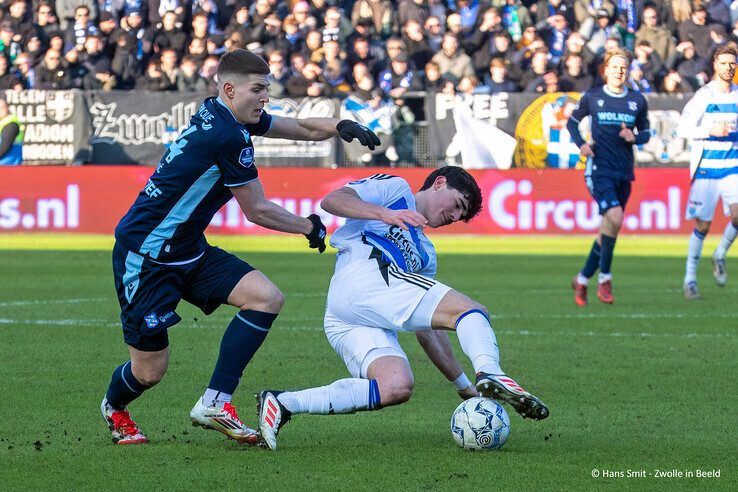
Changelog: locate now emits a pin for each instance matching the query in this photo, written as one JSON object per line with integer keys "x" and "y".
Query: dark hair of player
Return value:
{"x": 242, "y": 62}
{"x": 463, "y": 182}
{"x": 724, "y": 49}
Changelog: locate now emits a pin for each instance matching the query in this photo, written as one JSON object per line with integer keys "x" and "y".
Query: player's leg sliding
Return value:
{"x": 580, "y": 281}
{"x": 478, "y": 341}
{"x": 241, "y": 340}
{"x": 604, "y": 283}
{"x": 719, "y": 272}
{"x": 123, "y": 389}
{"x": 693, "y": 259}
{"x": 348, "y": 395}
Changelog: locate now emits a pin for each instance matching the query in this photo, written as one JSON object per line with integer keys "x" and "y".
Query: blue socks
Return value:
{"x": 241, "y": 340}
{"x": 374, "y": 398}
{"x": 606, "y": 249}
{"x": 593, "y": 260}
{"x": 124, "y": 387}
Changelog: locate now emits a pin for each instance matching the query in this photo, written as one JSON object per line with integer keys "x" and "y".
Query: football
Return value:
{"x": 480, "y": 424}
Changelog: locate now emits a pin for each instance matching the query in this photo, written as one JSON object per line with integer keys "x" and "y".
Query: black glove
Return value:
{"x": 349, "y": 130}
{"x": 317, "y": 235}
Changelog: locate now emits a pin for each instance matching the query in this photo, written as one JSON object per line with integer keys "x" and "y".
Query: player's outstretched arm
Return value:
{"x": 315, "y": 129}
{"x": 437, "y": 347}
{"x": 263, "y": 212}
{"x": 345, "y": 202}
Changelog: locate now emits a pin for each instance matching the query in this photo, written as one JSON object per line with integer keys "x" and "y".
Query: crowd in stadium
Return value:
{"x": 367, "y": 47}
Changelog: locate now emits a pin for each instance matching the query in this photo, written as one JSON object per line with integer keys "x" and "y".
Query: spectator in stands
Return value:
{"x": 34, "y": 50}
{"x": 379, "y": 12}
{"x": 602, "y": 30}
{"x": 307, "y": 83}
{"x": 574, "y": 77}
{"x": 434, "y": 33}
{"x": 73, "y": 68}
{"x": 585, "y": 12}
{"x": 169, "y": 69}
{"x": 690, "y": 65}
{"x": 200, "y": 26}
{"x": 77, "y": 32}
{"x": 208, "y": 71}
{"x": 107, "y": 26}
{"x": 480, "y": 44}
{"x": 8, "y": 80}
{"x": 399, "y": 78}
{"x": 681, "y": 11}
{"x": 555, "y": 34}
{"x": 453, "y": 26}
{"x": 66, "y": 11}
{"x": 50, "y": 73}
{"x": 11, "y": 136}
{"x": 218, "y": 17}
{"x": 153, "y": 79}
{"x": 718, "y": 12}
{"x": 313, "y": 49}
{"x": 650, "y": 63}
{"x": 434, "y": 82}
{"x": 575, "y": 44}
{"x": 453, "y": 62}
{"x": 46, "y": 25}
{"x": 9, "y": 46}
{"x": 157, "y": 9}
{"x": 503, "y": 49}
{"x": 657, "y": 35}
{"x": 360, "y": 53}
{"x": 260, "y": 10}
{"x": 363, "y": 85}
{"x": 188, "y": 78}
{"x": 239, "y": 22}
{"x": 169, "y": 35}
{"x": 197, "y": 49}
{"x": 98, "y": 73}
{"x": 336, "y": 81}
{"x": 336, "y": 27}
{"x": 22, "y": 23}
{"x": 498, "y": 77}
{"x": 637, "y": 79}
{"x": 292, "y": 34}
{"x": 704, "y": 35}
{"x": 25, "y": 71}
{"x": 138, "y": 38}
{"x": 515, "y": 18}
{"x": 305, "y": 22}
{"x": 673, "y": 83}
{"x": 544, "y": 9}
{"x": 533, "y": 76}
{"x": 416, "y": 10}
{"x": 279, "y": 74}
{"x": 416, "y": 46}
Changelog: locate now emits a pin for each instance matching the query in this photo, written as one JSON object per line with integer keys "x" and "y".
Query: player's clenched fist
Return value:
{"x": 316, "y": 237}
{"x": 350, "y": 130}
{"x": 404, "y": 218}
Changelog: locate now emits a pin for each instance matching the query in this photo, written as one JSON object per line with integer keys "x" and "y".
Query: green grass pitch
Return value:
{"x": 646, "y": 384}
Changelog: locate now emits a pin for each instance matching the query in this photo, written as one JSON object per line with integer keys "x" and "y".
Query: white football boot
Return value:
{"x": 224, "y": 420}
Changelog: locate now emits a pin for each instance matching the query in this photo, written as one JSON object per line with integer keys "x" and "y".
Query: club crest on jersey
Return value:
{"x": 600, "y": 102}
{"x": 151, "y": 320}
{"x": 633, "y": 105}
{"x": 246, "y": 159}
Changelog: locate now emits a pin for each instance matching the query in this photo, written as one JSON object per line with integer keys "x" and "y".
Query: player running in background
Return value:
{"x": 615, "y": 112}
{"x": 383, "y": 283}
{"x": 161, "y": 255}
{"x": 710, "y": 120}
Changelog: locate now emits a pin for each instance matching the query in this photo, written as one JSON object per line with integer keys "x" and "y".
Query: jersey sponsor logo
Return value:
{"x": 165, "y": 317}
{"x": 246, "y": 159}
{"x": 152, "y": 320}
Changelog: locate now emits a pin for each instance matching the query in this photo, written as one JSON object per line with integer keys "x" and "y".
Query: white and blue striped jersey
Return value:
{"x": 711, "y": 157}
{"x": 191, "y": 183}
{"x": 409, "y": 250}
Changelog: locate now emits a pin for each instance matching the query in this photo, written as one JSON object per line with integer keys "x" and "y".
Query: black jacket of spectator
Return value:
{"x": 700, "y": 36}
{"x": 50, "y": 79}
{"x": 175, "y": 39}
{"x": 569, "y": 83}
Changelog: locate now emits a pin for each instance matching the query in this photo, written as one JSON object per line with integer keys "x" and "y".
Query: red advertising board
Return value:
{"x": 91, "y": 199}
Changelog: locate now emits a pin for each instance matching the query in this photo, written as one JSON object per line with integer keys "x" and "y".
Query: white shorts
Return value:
{"x": 704, "y": 195}
{"x": 364, "y": 312}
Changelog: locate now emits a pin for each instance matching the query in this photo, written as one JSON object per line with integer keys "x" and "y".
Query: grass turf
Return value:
{"x": 648, "y": 383}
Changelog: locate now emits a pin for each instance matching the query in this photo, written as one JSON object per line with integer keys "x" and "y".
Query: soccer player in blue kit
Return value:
{"x": 161, "y": 255}
{"x": 618, "y": 121}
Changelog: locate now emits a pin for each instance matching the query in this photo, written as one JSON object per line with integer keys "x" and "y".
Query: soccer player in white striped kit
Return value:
{"x": 383, "y": 283}
{"x": 710, "y": 119}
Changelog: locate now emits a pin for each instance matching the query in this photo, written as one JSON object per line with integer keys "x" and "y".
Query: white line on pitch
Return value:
{"x": 52, "y": 301}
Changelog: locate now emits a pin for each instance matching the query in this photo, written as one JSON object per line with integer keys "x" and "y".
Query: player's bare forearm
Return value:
{"x": 345, "y": 202}
{"x": 311, "y": 129}
{"x": 437, "y": 347}
{"x": 261, "y": 211}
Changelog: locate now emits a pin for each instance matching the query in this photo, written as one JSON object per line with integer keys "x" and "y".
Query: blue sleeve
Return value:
{"x": 236, "y": 161}
{"x": 642, "y": 124}
{"x": 262, "y": 127}
{"x": 576, "y": 117}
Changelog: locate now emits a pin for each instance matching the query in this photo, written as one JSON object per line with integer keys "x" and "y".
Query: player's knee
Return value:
{"x": 270, "y": 301}
{"x": 398, "y": 392}
{"x": 149, "y": 376}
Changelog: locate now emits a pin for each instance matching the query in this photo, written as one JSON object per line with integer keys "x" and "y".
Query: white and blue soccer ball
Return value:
{"x": 479, "y": 424}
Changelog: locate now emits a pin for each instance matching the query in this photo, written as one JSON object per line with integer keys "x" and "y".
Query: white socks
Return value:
{"x": 479, "y": 343}
{"x": 693, "y": 255}
{"x": 604, "y": 277}
{"x": 342, "y": 396}
{"x": 728, "y": 237}
{"x": 215, "y": 398}
{"x": 581, "y": 279}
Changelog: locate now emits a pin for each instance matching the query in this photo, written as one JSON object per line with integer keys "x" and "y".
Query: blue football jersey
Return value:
{"x": 613, "y": 156}
{"x": 191, "y": 183}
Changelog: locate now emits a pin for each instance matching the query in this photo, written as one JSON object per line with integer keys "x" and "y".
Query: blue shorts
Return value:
{"x": 608, "y": 192}
{"x": 149, "y": 292}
